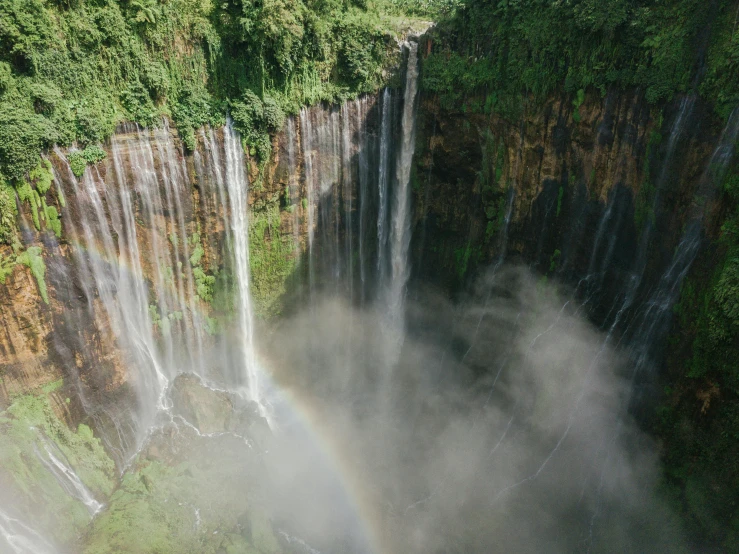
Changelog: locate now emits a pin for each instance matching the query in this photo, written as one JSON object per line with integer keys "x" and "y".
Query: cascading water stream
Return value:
{"x": 134, "y": 250}
{"x": 657, "y": 314}
{"x": 236, "y": 182}
{"x": 306, "y": 129}
{"x": 637, "y": 275}
{"x": 237, "y": 187}
{"x": 382, "y": 178}
{"x": 20, "y": 538}
{"x": 68, "y": 479}
{"x": 119, "y": 286}
{"x": 400, "y": 231}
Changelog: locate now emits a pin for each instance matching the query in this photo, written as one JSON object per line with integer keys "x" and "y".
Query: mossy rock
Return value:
{"x": 208, "y": 410}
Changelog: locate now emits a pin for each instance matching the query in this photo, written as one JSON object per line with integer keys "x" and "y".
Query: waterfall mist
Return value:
{"x": 504, "y": 426}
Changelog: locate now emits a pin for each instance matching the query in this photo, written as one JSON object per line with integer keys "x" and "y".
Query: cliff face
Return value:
{"x": 579, "y": 190}
{"x": 26, "y": 327}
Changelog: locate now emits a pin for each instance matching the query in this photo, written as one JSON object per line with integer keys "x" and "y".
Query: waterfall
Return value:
{"x": 236, "y": 182}
{"x": 306, "y": 129}
{"x": 382, "y": 179}
{"x": 68, "y": 479}
{"x": 400, "y": 227}
{"x": 20, "y": 538}
{"x": 151, "y": 230}
{"x": 363, "y": 183}
{"x": 347, "y": 191}
{"x": 140, "y": 265}
{"x": 640, "y": 264}
{"x": 111, "y": 277}
{"x": 657, "y": 314}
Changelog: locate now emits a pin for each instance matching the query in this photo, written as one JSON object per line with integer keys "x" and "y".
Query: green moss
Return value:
{"x": 34, "y": 211}
{"x": 54, "y": 386}
{"x": 33, "y": 259}
{"x": 52, "y": 220}
{"x": 42, "y": 176}
{"x": 462, "y": 259}
{"x": 560, "y": 196}
{"x": 8, "y": 212}
{"x": 162, "y": 321}
{"x": 212, "y": 326}
{"x": 272, "y": 259}
{"x": 77, "y": 164}
{"x": 576, "y": 103}
{"x": 554, "y": 261}
{"x": 60, "y": 197}
{"x": 197, "y": 254}
{"x": 154, "y": 316}
{"x": 25, "y": 192}
{"x": 203, "y": 284}
{"x": 80, "y": 159}
{"x": 154, "y": 510}
{"x": 7, "y": 264}
{"x": 29, "y": 426}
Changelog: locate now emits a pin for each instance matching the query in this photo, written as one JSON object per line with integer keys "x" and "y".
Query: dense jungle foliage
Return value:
{"x": 70, "y": 70}
{"x": 493, "y": 54}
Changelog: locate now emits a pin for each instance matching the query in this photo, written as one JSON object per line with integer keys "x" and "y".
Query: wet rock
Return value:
{"x": 210, "y": 411}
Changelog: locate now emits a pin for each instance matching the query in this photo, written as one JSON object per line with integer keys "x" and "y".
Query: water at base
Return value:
{"x": 20, "y": 538}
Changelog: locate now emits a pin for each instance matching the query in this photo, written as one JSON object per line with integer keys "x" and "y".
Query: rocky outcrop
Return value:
{"x": 26, "y": 325}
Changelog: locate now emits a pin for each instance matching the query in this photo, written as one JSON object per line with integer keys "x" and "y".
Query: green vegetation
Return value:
{"x": 462, "y": 258}
{"x": 163, "y": 321}
{"x": 700, "y": 416}
{"x": 29, "y": 427}
{"x": 80, "y": 159}
{"x": 272, "y": 259}
{"x": 507, "y": 52}
{"x": 70, "y": 71}
{"x": 32, "y": 191}
{"x": 7, "y": 264}
{"x": 576, "y": 103}
{"x": 42, "y": 176}
{"x": 8, "y": 212}
{"x": 203, "y": 282}
{"x": 32, "y": 259}
{"x": 193, "y": 506}
{"x": 560, "y": 197}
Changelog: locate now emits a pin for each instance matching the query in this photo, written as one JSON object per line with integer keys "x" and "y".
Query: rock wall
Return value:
{"x": 586, "y": 180}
